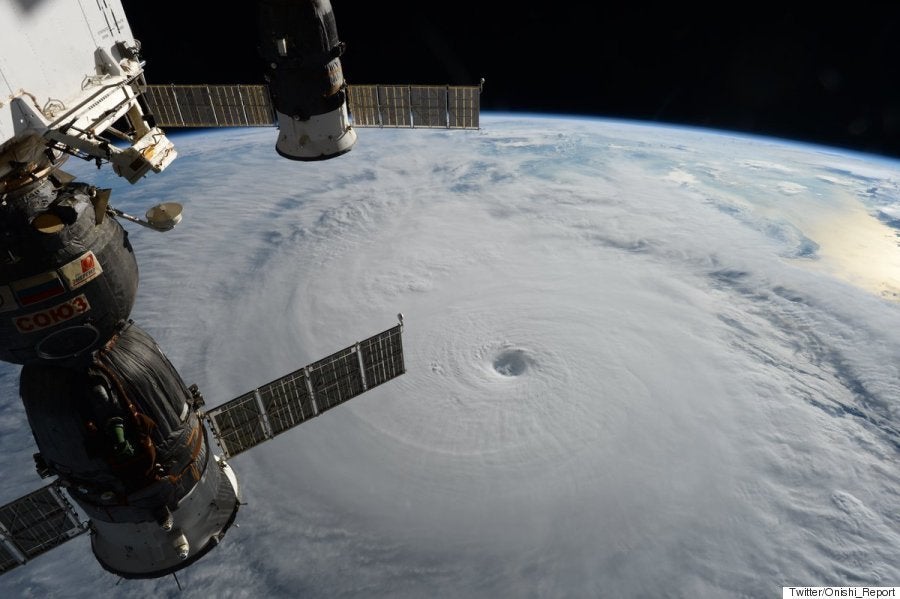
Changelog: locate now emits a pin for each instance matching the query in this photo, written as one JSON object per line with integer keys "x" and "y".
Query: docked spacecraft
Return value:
{"x": 125, "y": 438}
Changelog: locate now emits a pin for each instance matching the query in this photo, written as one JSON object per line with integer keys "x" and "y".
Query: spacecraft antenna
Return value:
{"x": 165, "y": 216}
{"x": 161, "y": 217}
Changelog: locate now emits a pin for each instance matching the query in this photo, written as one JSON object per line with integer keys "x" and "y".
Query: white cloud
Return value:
{"x": 682, "y": 418}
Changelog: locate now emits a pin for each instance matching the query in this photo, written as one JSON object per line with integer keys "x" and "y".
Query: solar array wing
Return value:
{"x": 209, "y": 105}
{"x": 364, "y": 105}
{"x": 407, "y": 106}
{"x": 336, "y": 379}
{"x": 263, "y": 413}
{"x": 441, "y": 106}
{"x": 382, "y": 357}
{"x": 394, "y": 101}
{"x": 428, "y": 104}
{"x": 34, "y": 524}
{"x": 463, "y": 107}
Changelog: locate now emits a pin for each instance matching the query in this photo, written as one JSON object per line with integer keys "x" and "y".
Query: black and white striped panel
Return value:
{"x": 209, "y": 105}
{"x": 286, "y": 402}
{"x": 35, "y": 524}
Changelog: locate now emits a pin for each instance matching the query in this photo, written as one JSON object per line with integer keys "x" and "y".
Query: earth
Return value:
{"x": 642, "y": 361}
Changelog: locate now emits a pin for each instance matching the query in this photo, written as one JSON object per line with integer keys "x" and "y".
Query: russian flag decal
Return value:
{"x": 38, "y": 288}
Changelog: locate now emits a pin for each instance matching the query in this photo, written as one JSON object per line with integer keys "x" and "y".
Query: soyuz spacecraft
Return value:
{"x": 125, "y": 438}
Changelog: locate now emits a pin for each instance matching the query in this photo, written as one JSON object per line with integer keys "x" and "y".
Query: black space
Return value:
{"x": 810, "y": 73}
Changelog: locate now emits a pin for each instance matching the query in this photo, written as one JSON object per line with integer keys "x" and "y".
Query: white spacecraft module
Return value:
{"x": 68, "y": 72}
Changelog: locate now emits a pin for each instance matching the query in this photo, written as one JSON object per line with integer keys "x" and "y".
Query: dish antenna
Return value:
{"x": 161, "y": 217}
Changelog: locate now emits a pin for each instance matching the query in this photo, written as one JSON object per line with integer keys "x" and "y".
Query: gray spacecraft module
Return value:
{"x": 123, "y": 436}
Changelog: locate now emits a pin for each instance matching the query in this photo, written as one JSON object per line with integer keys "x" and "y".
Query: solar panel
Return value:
{"x": 394, "y": 101}
{"x": 8, "y": 560}
{"x": 382, "y": 357}
{"x": 34, "y": 524}
{"x": 463, "y": 106}
{"x": 209, "y": 105}
{"x": 336, "y": 379}
{"x": 442, "y": 106}
{"x": 239, "y": 424}
{"x": 429, "y": 105}
{"x": 287, "y": 402}
{"x": 284, "y": 403}
{"x": 364, "y": 105}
